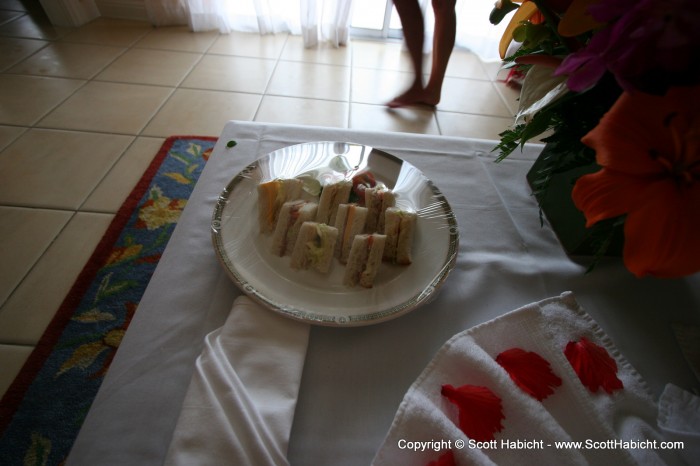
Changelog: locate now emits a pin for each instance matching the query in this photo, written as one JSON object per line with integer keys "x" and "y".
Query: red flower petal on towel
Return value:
{"x": 530, "y": 371}
{"x": 480, "y": 410}
{"x": 594, "y": 366}
{"x": 447, "y": 459}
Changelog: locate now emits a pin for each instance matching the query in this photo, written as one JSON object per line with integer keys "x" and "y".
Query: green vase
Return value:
{"x": 552, "y": 179}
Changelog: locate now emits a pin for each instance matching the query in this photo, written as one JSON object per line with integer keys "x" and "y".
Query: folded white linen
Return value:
{"x": 679, "y": 420}
{"x": 613, "y": 416}
{"x": 240, "y": 402}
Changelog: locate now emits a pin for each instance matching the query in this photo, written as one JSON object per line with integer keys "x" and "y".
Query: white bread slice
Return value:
{"x": 292, "y": 215}
{"x": 307, "y": 213}
{"x": 332, "y": 195}
{"x": 349, "y": 221}
{"x": 314, "y": 247}
{"x": 377, "y": 200}
{"x": 364, "y": 260}
{"x": 271, "y": 195}
{"x": 399, "y": 227}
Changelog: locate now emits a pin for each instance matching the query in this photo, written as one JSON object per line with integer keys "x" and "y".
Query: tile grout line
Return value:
{"x": 36, "y": 262}
{"x": 269, "y": 79}
{"x": 133, "y": 46}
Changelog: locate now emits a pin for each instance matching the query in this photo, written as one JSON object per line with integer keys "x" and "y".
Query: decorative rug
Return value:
{"x": 42, "y": 411}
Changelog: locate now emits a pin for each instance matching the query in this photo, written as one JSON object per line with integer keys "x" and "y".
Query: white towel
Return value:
{"x": 679, "y": 420}
{"x": 426, "y": 420}
{"x": 240, "y": 402}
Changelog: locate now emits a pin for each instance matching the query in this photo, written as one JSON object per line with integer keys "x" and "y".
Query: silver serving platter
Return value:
{"x": 322, "y": 299}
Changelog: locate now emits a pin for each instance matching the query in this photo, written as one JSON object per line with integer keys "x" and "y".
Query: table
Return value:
{"x": 355, "y": 378}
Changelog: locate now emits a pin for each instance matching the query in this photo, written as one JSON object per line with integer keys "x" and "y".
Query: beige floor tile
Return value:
{"x": 291, "y": 110}
{"x": 24, "y": 317}
{"x": 68, "y": 60}
{"x": 25, "y": 99}
{"x": 247, "y": 44}
{"x": 58, "y": 169}
{"x": 494, "y": 70}
{"x": 14, "y": 49}
{"x": 510, "y": 96}
{"x": 145, "y": 66}
{"x": 25, "y": 233}
{"x": 108, "y": 107}
{"x": 113, "y": 190}
{"x": 201, "y": 113}
{"x": 107, "y": 31}
{"x": 8, "y": 15}
{"x": 323, "y": 52}
{"x": 33, "y": 27}
{"x": 472, "y": 96}
{"x": 472, "y": 126}
{"x": 225, "y": 73}
{"x": 498, "y": 74}
{"x": 178, "y": 38}
{"x": 12, "y": 358}
{"x": 17, "y": 5}
{"x": 371, "y": 86}
{"x": 381, "y": 55}
{"x": 464, "y": 64}
{"x": 380, "y": 118}
{"x": 9, "y": 134}
{"x": 312, "y": 80}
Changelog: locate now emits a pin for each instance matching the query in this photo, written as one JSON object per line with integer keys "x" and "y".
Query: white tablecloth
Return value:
{"x": 355, "y": 378}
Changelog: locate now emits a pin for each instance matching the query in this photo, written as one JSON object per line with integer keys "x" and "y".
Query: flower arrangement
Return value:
{"x": 615, "y": 85}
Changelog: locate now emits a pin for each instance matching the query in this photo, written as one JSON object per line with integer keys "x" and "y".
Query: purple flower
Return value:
{"x": 609, "y": 11}
{"x": 586, "y": 67}
{"x": 648, "y": 45}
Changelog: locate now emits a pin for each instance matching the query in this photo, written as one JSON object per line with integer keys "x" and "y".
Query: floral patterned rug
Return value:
{"x": 42, "y": 411}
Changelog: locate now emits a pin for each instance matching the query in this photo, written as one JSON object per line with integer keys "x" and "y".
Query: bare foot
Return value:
{"x": 414, "y": 97}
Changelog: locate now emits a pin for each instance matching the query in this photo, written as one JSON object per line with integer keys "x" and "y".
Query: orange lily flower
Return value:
{"x": 649, "y": 150}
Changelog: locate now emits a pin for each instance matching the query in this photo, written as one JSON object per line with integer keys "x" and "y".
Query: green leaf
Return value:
{"x": 520, "y": 34}
{"x": 180, "y": 158}
{"x": 194, "y": 149}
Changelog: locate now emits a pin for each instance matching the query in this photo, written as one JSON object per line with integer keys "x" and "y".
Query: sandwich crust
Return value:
{"x": 350, "y": 221}
{"x": 377, "y": 200}
{"x": 399, "y": 228}
{"x": 292, "y": 215}
{"x": 314, "y": 247}
{"x": 332, "y": 195}
{"x": 271, "y": 196}
{"x": 364, "y": 260}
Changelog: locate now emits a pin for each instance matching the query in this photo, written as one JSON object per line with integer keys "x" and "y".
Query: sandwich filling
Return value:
{"x": 317, "y": 248}
{"x": 291, "y": 220}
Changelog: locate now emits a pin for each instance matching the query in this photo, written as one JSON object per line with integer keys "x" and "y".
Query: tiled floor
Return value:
{"x": 83, "y": 111}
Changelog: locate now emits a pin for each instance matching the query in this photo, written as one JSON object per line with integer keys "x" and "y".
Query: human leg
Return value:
{"x": 413, "y": 26}
{"x": 443, "y": 44}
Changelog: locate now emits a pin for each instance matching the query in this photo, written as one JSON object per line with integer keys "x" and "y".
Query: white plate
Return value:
{"x": 323, "y": 299}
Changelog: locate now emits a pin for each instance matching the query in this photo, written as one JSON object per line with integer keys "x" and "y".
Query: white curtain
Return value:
{"x": 474, "y": 31}
{"x": 316, "y": 20}
{"x": 166, "y": 12}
